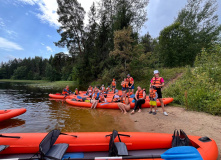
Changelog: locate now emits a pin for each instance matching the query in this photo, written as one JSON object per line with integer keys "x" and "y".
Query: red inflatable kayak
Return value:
{"x": 10, "y": 113}
{"x": 114, "y": 105}
{"x": 96, "y": 144}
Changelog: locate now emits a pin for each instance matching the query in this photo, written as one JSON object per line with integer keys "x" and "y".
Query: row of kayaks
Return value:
{"x": 76, "y": 100}
{"x": 10, "y": 113}
{"x": 88, "y": 145}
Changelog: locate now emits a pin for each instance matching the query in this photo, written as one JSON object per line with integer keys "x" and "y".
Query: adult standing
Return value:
{"x": 130, "y": 83}
{"x": 124, "y": 85}
{"x": 140, "y": 97}
{"x": 113, "y": 85}
{"x": 158, "y": 82}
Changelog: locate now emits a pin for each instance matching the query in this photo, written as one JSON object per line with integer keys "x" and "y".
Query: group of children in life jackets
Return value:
{"x": 99, "y": 95}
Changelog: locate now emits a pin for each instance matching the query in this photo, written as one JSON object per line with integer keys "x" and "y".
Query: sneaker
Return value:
{"x": 150, "y": 112}
{"x": 165, "y": 113}
{"x": 154, "y": 113}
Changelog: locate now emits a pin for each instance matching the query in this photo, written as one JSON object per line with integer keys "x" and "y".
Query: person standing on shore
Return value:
{"x": 130, "y": 83}
{"x": 113, "y": 85}
{"x": 158, "y": 82}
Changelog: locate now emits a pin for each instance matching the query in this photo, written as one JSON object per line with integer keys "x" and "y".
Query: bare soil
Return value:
{"x": 193, "y": 123}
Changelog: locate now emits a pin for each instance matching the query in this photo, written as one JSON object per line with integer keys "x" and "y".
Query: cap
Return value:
{"x": 155, "y": 72}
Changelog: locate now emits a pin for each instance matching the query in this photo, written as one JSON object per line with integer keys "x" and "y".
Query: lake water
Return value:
{"x": 43, "y": 115}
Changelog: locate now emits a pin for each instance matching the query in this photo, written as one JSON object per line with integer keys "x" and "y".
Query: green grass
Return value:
{"x": 43, "y": 83}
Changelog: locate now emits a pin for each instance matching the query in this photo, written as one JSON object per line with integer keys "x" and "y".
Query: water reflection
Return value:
{"x": 44, "y": 114}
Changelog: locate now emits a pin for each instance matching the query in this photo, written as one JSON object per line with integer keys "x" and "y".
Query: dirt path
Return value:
{"x": 172, "y": 80}
{"x": 193, "y": 123}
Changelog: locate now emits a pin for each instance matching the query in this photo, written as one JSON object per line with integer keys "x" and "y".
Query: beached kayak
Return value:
{"x": 114, "y": 105}
{"x": 10, "y": 113}
{"x": 96, "y": 144}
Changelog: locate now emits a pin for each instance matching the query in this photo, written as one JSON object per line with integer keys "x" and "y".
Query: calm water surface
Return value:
{"x": 43, "y": 114}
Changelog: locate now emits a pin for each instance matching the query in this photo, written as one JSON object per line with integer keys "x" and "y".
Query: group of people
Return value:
{"x": 99, "y": 94}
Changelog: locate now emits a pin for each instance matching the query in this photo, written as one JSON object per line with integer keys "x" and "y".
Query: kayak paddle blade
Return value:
{"x": 182, "y": 153}
{"x": 132, "y": 96}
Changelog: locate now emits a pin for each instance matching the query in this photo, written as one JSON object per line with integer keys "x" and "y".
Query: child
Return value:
{"x": 153, "y": 98}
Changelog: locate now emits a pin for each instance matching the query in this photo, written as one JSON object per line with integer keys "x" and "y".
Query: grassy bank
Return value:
{"x": 44, "y": 83}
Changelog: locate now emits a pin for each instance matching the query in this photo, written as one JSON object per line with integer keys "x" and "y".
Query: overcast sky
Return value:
{"x": 28, "y": 27}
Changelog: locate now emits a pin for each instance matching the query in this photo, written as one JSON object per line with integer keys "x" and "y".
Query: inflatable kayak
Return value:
{"x": 88, "y": 145}
{"x": 114, "y": 105}
{"x": 10, "y": 113}
{"x": 59, "y": 96}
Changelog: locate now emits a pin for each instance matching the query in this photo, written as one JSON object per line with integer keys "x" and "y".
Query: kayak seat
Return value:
{"x": 3, "y": 147}
{"x": 47, "y": 148}
{"x": 117, "y": 148}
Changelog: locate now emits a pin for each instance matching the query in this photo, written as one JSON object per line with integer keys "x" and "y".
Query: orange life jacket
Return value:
{"x": 65, "y": 92}
{"x": 113, "y": 83}
{"x": 130, "y": 80}
{"x": 152, "y": 93}
{"x": 101, "y": 98}
{"x": 125, "y": 84}
{"x": 140, "y": 94}
{"x": 156, "y": 82}
{"x": 76, "y": 91}
{"x": 116, "y": 98}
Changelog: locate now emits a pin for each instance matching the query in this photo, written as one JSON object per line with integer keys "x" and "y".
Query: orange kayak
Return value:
{"x": 10, "y": 113}
{"x": 114, "y": 105}
{"x": 98, "y": 143}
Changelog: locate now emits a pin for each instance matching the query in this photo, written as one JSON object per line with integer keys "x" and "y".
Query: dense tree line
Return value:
{"x": 109, "y": 46}
{"x": 58, "y": 67}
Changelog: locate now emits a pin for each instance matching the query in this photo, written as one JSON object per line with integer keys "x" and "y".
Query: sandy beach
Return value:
{"x": 193, "y": 123}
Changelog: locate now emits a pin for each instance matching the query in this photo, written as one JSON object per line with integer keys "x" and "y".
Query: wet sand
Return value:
{"x": 193, "y": 123}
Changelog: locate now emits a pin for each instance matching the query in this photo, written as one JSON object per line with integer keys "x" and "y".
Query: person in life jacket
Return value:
{"x": 116, "y": 97}
{"x": 130, "y": 81}
{"x": 95, "y": 98}
{"x": 76, "y": 91}
{"x": 124, "y": 85}
{"x": 124, "y": 105}
{"x": 158, "y": 82}
{"x": 102, "y": 97}
{"x": 90, "y": 91}
{"x": 140, "y": 97}
{"x": 66, "y": 91}
{"x": 103, "y": 88}
{"x": 113, "y": 85}
{"x": 107, "y": 89}
{"x": 153, "y": 100}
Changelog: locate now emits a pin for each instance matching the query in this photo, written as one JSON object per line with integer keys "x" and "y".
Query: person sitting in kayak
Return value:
{"x": 130, "y": 81}
{"x": 140, "y": 97}
{"x": 102, "y": 97}
{"x": 90, "y": 91}
{"x": 116, "y": 97}
{"x": 125, "y": 103}
{"x": 124, "y": 85}
{"x": 158, "y": 82}
{"x": 95, "y": 98}
{"x": 102, "y": 88}
{"x": 113, "y": 85}
{"x": 107, "y": 89}
{"x": 76, "y": 91}
{"x": 66, "y": 91}
{"x": 153, "y": 100}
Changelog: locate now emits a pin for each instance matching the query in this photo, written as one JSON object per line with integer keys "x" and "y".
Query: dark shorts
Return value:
{"x": 132, "y": 87}
{"x": 124, "y": 89}
{"x": 159, "y": 92}
{"x": 113, "y": 86}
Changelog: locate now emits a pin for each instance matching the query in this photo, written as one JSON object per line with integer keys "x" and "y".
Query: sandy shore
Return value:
{"x": 193, "y": 123}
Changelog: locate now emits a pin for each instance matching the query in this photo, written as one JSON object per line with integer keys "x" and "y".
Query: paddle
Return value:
{"x": 175, "y": 153}
{"x": 68, "y": 135}
{"x": 132, "y": 96}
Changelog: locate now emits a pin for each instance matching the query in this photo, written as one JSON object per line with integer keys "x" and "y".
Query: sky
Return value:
{"x": 28, "y": 28}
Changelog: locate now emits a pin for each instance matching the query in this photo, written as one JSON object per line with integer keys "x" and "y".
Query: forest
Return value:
{"x": 110, "y": 46}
